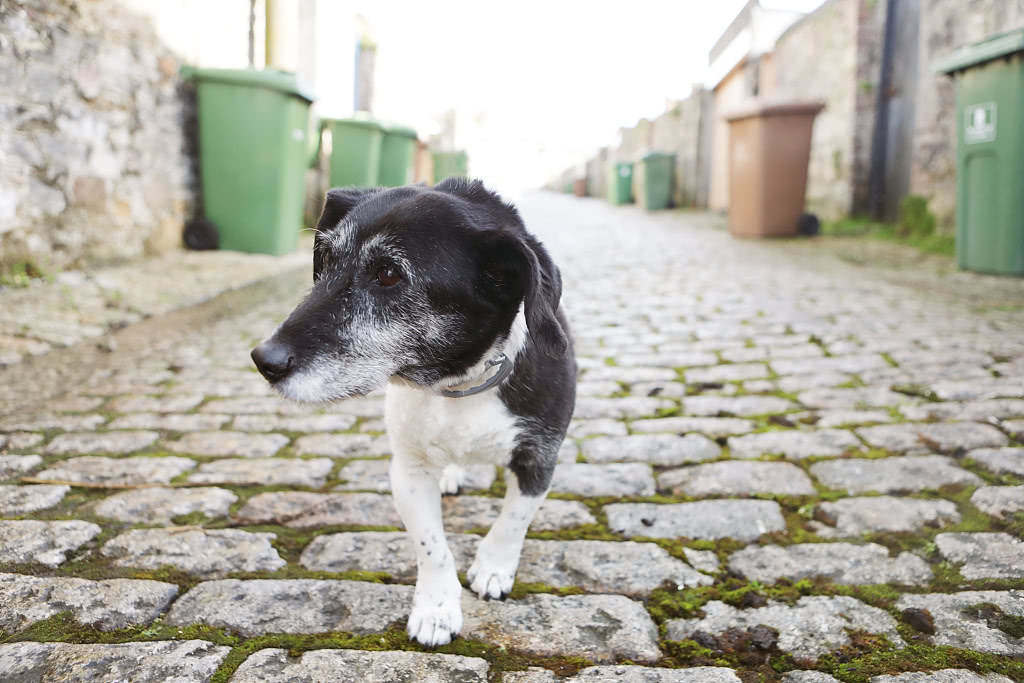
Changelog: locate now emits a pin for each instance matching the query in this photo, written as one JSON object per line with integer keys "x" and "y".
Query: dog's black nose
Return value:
{"x": 273, "y": 360}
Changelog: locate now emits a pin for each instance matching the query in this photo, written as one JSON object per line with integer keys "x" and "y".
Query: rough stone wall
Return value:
{"x": 945, "y": 26}
{"x": 679, "y": 131}
{"x": 632, "y": 142}
{"x": 870, "y": 44}
{"x": 94, "y": 162}
{"x": 597, "y": 174}
{"x": 817, "y": 59}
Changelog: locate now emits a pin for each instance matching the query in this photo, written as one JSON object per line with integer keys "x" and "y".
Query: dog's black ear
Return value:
{"x": 338, "y": 203}
{"x": 518, "y": 265}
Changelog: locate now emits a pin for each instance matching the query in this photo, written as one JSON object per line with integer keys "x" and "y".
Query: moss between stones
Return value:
{"x": 994, "y": 616}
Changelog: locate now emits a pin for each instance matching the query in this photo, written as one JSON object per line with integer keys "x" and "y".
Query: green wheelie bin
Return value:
{"x": 397, "y": 156}
{"x": 355, "y": 151}
{"x": 253, "y": 155}
{"x": 620, "y": 182}
{"x": 990, "y": 153}
{"x": 447, "y": 164}
{"x": 655, "y": 178}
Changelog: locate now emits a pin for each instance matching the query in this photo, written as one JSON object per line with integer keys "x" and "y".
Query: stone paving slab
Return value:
{"x": 296, "y": 423}
{"x": 39, "y": 422}
{"x": 656, "y": 449}
{"x": 741, "y": 406}
{"x": 794, "y": 444}
{"x": 999, "y": 501}
{"x": 736, "y": 478}
{"x": 814, "y": 626}
{"x": 956, "y": 625}
{"x": 618, "y": 408}
{"x": 965, "y": 410}
{"x": 224, "y": 443}
{"x": 581, "y": 429}
{"x": 180, "y": 661}
{"x": 1000, "y": 460}
{"x": 854, "y": 398}
{"x": 95, "y": 470}
{"x": 281, "y": 471}
{"x": 172, "y": 403}
{"x": 850, "y": 517}
{"x": 890, "y": 475}
{"x": 46, "y": 543}
{"x": 19, "y": 441}
{"x": 633, "y": 569}
{"x": 628, "y": 674}
{"x": 159, "y": 505}
{"x": 944, "y": 437}
{"x": 170, "y": 422}
{"x": 343, "y": 445}
{"x": 20, "y": 500}
{"x": 743, "y": 520}
{"x": 262, "y": 606}
{"x": 614, "y": 479}
{"x": 108, "y": 605}
{"x": 713, "y": 427}
{"x": 944, "y": 676}
{"x": 843, "y": 563}
{"x": 273, "y": 665}
{"x": 984, "y": 555}
{"x": 372, "y": 475}
{"x": 976, "y": 390}
{"x": 600, "y": 628}
{"x": 15, "y": 465}
{"x": 843, "y": 418}
{"x": 100, "y": 442}
{"x": 204, "y": 552}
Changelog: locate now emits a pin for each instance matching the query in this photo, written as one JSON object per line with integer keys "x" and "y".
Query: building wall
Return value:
{"x": 597, "y": 174}
{"x": 945, "y": 26}
{"x": 816, "y": 59}
{"x": 678, "y": 131}
{"x": 730, "y": 93}
{"x": 94, "y": 160}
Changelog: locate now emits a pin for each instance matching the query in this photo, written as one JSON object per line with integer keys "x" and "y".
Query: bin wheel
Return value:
{"x": 808, "y": 224}
{"x": 201, "y": 234}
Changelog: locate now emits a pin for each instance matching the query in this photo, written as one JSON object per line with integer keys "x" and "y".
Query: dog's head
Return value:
{"x": 411, "y": 282}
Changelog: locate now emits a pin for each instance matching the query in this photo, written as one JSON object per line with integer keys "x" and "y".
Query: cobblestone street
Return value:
{"x": 782, "y": 467}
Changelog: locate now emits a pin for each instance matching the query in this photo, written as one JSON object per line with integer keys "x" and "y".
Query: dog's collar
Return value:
{"x": 504, "y": 365}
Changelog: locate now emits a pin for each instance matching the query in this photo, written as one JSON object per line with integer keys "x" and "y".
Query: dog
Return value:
{"x": 442, "y": 296}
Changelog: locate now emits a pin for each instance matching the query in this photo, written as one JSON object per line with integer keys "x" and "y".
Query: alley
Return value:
{"x": 780, "y": 462}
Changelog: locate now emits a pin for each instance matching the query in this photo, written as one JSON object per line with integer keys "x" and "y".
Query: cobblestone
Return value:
{"x": 1000, "y": 460}
{"x": 280, "y": 471}
{"x": 857, "y": 516}
{"x": 656, "y": 449}
{"x": 14, "y": 465}
{"x": 204, "y": 552}
{"x": 794, "y": 444}
{"x": 108, "y": 605}
{"x": 616, "y": 479}
{"x": 814, "y": 626}
{"x": 158, "y": 505}
{"x": 837, "y": 562}
{"x": 225, "y": 443}
{"x": 984, "y": 555}
{"x": 737, "y": 478}
{"x": 891, "y": 475}
{"x": 46, "y": 543}
{"x": 273, "y": 665}
{"x": 999, "y": 501}
{"x": 713, "y": 427}
{"x": 100, "y": 442}
{"x": 958, "y": 626}
{"x": 743, "y": 520}
{"x": 97, "y": 470}
{"x": 19, "y": 500}
{"x": 944, "y": 437}
{"x": 158, "y": 662}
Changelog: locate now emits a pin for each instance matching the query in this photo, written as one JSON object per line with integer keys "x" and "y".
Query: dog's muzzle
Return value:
{"x": 273, "y": 359}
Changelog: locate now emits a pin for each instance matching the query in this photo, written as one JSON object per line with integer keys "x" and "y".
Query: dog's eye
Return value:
{"x": 388, "y": 276}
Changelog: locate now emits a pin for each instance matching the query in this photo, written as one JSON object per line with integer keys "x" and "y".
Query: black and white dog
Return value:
{"x": 441, "y": 295}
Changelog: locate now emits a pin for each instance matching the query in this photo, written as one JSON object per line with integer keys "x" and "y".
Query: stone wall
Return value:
{"x": 945, "y": 26}
{"x": 817, "y": 59}
{"x": 679, "y": 131}
{"x": 94, "y": 162}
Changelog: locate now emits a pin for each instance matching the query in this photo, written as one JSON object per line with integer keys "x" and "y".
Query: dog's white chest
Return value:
{"x": 449, "y": 430}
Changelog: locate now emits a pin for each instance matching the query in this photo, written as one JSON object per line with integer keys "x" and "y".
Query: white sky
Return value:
{"x": 546, "y": 82}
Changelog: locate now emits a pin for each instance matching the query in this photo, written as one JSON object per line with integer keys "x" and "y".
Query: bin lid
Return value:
{"x": 398, "y": 129}
{"x": 271, "y": 79}
{"x": 773, "y": 107}
{"x": 656, "y": 155}
{"x": 965, "y": 57}
{"x": 357, "y": 121}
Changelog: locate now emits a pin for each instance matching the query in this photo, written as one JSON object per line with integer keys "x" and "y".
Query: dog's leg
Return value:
{"x": 436, "y": 615}
{"x": 451, "y": 479}
{"x": 497, "y": 557}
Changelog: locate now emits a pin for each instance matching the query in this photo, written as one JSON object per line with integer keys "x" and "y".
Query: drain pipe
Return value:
{"x": 880, "y": 136}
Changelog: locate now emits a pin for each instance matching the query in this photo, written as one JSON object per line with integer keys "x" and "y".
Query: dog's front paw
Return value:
{"x": 451, "y": 480}
{"x": 435, "y": 624}
{"x": 492, "y": 573}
